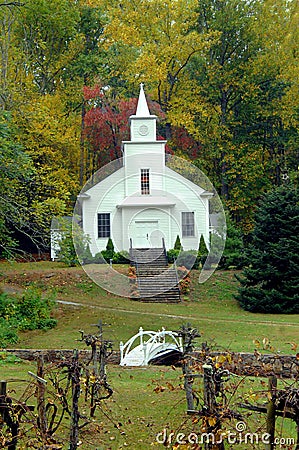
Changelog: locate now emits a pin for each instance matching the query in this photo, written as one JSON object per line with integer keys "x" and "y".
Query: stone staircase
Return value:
{"x": 156, "y": 282}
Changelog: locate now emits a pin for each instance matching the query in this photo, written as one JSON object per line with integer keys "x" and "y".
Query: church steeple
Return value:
{"x": 143, "y": 124}
{"x": 142, "y": 106}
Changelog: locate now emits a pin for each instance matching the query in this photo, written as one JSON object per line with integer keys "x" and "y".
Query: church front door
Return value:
{"x": 146, "y": 234}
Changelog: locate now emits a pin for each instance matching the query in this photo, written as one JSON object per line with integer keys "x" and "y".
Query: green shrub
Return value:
{"x": 29, "y": 312}
{"x": 172, "y": 255}
{"x": 110, "y": 246}
{"x": 8, "y": 332}
{"x": 109, "y": 252}
{"x": 33, "y": 310}
{"x": 9, "y": 358}
{"x": 122, "y": 257}
{"x": 188, "y": 259}
{"x": 67, "y": 253}
{"x": 73, "y": 244}
{"x": 106, "y": 254}
{"x": 202, "y": 253}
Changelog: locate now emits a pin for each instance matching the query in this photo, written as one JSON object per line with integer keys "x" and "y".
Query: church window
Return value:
{"x": 188, "y": 224}
{"x": 103, "y": 225}
{"x": 145, "y": 183}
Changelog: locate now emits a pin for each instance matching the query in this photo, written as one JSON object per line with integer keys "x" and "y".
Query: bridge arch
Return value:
{"x": 144, "y": 346}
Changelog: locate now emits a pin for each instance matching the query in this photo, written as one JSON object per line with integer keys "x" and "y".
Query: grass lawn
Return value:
{"x": 146, "y": 400}
{"x": 210, "y": 307}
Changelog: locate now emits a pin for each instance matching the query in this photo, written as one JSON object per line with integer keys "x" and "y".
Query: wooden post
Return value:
{"x": 41, "y": 398}
{"x": 188, "y": 382}
{"x": 7, "y": 416}
{"x": 75, "y": 379}
{"x": 187, "y": 336}
{"x": 271, "y": 412}
{"x": 210, "y": 406}
{"x": 3, "y": 386}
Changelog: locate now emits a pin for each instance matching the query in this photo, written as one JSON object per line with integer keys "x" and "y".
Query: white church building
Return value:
{"x": 143, "y": 200}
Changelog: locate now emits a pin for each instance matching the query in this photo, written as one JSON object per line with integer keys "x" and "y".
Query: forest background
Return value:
{"x": 222, "y": 76}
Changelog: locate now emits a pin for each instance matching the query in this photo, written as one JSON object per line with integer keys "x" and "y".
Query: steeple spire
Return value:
{"x": 142, "y": 106}
{"x": 143, "y": 123}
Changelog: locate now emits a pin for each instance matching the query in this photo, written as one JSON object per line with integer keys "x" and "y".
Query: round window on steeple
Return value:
{"x": 143, "y": 130}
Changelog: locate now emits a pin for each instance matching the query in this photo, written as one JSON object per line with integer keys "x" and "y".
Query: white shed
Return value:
{"x": 143, "y": 200}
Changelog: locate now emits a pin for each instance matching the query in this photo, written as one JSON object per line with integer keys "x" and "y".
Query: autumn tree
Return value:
{"x": 154, "y": 42}
{"x": 240, "y": 90}
{"x": 107, "y": 123}
{"x": 8, "y": 54}
{"x": 48, "y": 37}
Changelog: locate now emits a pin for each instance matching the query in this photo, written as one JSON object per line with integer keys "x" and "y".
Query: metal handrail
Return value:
{"x": 176, "y": 276}
{"x": 164, "y": 248}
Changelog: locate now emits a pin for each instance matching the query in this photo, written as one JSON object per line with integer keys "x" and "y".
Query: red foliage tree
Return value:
{"x": 107, "y": 122}
{"x": 183, "y": 142}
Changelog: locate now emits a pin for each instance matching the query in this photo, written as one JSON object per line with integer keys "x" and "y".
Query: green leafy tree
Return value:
{"x": 73, "y": 244}
{"x": 270, "y": 283}
{"x": 16, "y": 177}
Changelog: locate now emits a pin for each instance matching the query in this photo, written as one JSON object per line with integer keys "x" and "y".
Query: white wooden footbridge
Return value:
{"x": 147, "y": 346}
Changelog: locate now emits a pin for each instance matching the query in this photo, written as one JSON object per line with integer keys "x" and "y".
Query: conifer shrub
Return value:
{"x": 177, "y": 244}
{"x": 202, "y": 253}
{"x": 109, "y": 252}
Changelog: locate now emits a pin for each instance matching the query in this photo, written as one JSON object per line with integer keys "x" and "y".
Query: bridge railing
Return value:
{"x": 126, "y": 348}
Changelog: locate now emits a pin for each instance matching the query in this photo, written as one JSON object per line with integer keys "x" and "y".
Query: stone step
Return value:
{"x": 156, "y": 271}
{"x": 156, "y": 282}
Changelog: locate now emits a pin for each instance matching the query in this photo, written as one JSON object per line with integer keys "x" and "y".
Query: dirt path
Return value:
{"x": 173, "y": 316}
{"x": 13, "y": 288}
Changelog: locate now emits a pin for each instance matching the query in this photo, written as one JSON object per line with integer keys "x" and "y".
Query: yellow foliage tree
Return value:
{"x": 154, "y": 42}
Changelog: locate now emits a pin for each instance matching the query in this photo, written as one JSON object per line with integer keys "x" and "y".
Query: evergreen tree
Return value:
{"x": 109, "y": 252}
{"x": 202, "y": 251}
{"x": 270, "y": 283}
{"x": 202, "y": 248}
{"x": 177, "y": 244}
{"x": 233, "y": 254}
